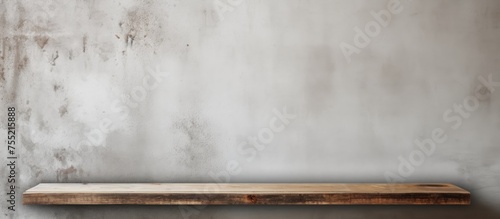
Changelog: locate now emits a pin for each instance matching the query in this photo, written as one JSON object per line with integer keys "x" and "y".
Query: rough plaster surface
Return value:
{"x": 69, "y": 68}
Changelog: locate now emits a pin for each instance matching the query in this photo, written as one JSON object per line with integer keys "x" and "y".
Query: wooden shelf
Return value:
{"x": 244, "y": 194}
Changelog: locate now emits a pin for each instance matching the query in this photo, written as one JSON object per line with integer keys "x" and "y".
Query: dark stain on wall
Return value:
{"x": 2, "y": 58}
{"x": 63, "y": 110}
{"x": 2, "y": 61}
{"x": 142, "y": 27}
{"x": 199, "y": 151}
{"x": 55, "y": 56}
{"x": 20, "y": 63}
{"x": 3, "y": 29}
{"x": 41, "y": 41}
{"x": 64, "y": 174}
{"x": 13, "y": 48}
{"x": 60, "y": 155}
{"x": 84, "y": 43}
{"x": 56, "y": 87}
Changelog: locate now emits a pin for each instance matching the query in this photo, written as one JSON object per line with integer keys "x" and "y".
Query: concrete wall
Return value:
{"x": 288, "y": 90}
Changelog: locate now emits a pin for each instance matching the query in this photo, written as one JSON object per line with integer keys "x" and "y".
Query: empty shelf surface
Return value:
{"x": 245, "y": 193}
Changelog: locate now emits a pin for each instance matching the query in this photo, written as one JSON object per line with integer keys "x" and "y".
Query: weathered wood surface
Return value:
{"x": 244, "y": 194}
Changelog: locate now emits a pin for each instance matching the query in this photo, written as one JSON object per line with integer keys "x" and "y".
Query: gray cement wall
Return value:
{"x": 286, "y": 91}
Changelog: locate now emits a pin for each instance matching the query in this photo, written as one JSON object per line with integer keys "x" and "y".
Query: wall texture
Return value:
{"x": 286, "y": 90}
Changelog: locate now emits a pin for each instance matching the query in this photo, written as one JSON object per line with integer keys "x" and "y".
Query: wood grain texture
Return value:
{"x": 244, "y": 194}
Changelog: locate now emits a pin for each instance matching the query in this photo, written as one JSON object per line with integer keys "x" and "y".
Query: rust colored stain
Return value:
{"x": 251, "y": 199}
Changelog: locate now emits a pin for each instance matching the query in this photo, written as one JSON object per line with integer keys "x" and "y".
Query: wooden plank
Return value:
{"x": 244, "y": 194}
